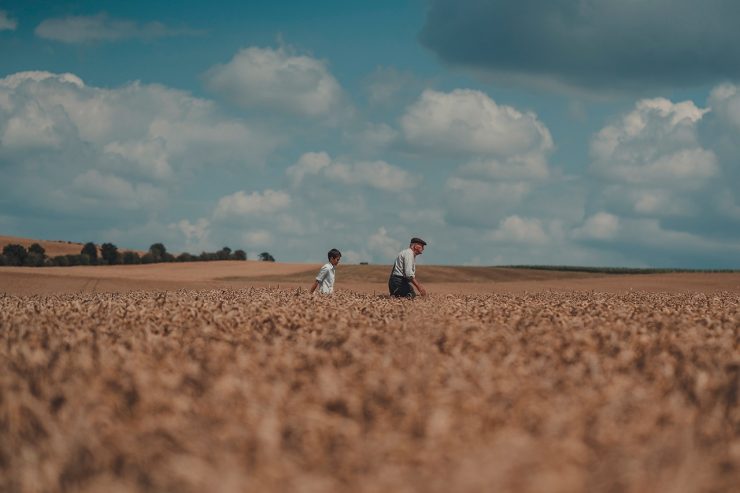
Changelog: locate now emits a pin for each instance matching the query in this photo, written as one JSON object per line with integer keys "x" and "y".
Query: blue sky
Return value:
{"x": 581, "y": 132}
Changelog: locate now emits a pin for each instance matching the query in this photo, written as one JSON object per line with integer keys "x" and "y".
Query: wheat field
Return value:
{"x": 275, "y": 390}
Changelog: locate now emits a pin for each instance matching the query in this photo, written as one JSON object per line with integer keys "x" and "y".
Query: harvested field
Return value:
{"x": 357, "y": 278}
{"x": 274, "y": 390}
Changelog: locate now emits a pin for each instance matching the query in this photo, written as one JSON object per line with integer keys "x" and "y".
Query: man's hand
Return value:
{"x": 419, "y": 287}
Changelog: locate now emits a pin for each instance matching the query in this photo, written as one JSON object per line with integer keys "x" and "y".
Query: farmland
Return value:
{"x": 263, "y": 389}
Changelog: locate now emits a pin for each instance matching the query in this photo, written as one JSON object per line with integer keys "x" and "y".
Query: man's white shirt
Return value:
{"x": 325, "y": 278}
{"x": 405, "y": 265}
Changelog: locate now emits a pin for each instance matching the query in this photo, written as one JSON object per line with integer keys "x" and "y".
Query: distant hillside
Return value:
{"x": 52, "y": 247}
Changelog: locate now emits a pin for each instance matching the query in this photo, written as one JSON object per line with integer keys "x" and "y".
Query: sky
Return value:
{"x": 503, "y": 132}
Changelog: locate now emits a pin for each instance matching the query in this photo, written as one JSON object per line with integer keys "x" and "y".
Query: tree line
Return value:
{"x": 35, "y": 256}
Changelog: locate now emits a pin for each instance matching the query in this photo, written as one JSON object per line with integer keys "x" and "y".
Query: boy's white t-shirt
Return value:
{"x": 325, "y": 278}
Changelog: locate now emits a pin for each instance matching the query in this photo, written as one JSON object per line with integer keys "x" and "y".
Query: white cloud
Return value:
{"x": 310, "y": 163}
{"x": 257, "y": 238}
{"x": 482, "y": 203}
{"x": 724, "y": 101}
{"x": 515, "y": 229}
{"x": 101, "y": 28}
{"x": 150, "y": 156}
{"x": 647, "y": 201}
{"x": 600, "y": 226}
{"x": 374, "y": 174}
{"x": 197, "y": 231}
{"x": 32, "y": 127}
{"x": 6, "y": 23}
{"x": 382, "y": 244}
{"x": 151, "y": 130}
{"x": 529, "y": 166}
{"x": 106, "y": 189}
{"x": 373, "y": 137}
{"x": 470, "y": 122}
{"x": 241, "y": 203}
{"x": 121, "y": 156}
{"x": 650, "y": 233}
{"x": 275, "y": 79}
{"x": 655, "y": 144}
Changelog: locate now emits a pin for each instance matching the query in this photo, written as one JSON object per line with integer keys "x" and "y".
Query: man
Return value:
{"x": 403, "y": 275}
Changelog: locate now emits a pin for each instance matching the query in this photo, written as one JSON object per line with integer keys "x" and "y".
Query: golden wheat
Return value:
{"x": 268, "y": 390}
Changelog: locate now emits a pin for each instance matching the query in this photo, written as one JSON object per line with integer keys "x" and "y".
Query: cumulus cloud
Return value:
{"x": 724, "y": 101}
{"x": 600, "y": 226}
{"x": 372, "y": 137}
{"x": 278, "y": 80}
{"x": 515, "y": 229}
{"x": 469, "y": 122}
{"x": 6, "y": 22}
{"x": 195, "y": 232}
{"x": 146, "y": 129}
{"x": 257, "y": 238}
{"x": 93, "y": 189}
{"x": 374, "y": 174}
{"x": 473, "y": 202}
{"x": 102, "y": 28}
{"x": 119, "y": 156}
{"x": 241, "y": 203}
{"x": 383, "y": 245}
{"x": 595, "y": 44}
{"x": 655, "y": 143}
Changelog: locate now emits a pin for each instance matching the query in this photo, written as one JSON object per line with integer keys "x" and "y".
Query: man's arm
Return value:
{"x": 418, "y": 286}
{"x": 408, "y": 265}
{"x": 313, "y": 288}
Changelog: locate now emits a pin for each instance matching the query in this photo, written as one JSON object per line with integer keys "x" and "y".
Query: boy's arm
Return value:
{"x": 319, "y": 278}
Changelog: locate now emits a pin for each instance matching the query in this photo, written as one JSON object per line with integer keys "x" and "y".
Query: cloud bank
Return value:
{"x": 102, "y": 28}
{"x": 592, "y": 44}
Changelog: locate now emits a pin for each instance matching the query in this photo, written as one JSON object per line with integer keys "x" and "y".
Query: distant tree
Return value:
{"x": 147, "y": 258}
{"x": 61, "y": 261}
{"x": 130, "y": 258}
{"x": 85, "y": 259}
{"x": 158, "y": 252}
{"x": 207, "y": 256}
{"x": 266, "y": 257}
{"x": 37, "y": 249}
{"x": 239, "y": 255}
{"x": 3, "y": 260}
{"x": 109, "y": 252}
{"x": 224, "y": 253}
{"x": 74, "y": 259}
{"x": 15, "y": 254}
{"x": 34, "y": 260}
{"x": 184, "y": 257}
{"x": 91, "y": 251}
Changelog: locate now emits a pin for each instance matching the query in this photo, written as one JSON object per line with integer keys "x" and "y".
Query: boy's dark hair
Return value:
{"x": 334, "y": 253}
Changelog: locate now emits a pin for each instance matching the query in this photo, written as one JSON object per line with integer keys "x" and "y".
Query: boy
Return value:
{"x": 325, "y": 278}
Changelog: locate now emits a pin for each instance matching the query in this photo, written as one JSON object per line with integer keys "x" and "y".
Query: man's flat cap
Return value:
{"x": 419, "y": 241}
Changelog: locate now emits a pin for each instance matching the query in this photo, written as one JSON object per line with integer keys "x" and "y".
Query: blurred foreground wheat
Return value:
{"x": 267, "y": 390}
